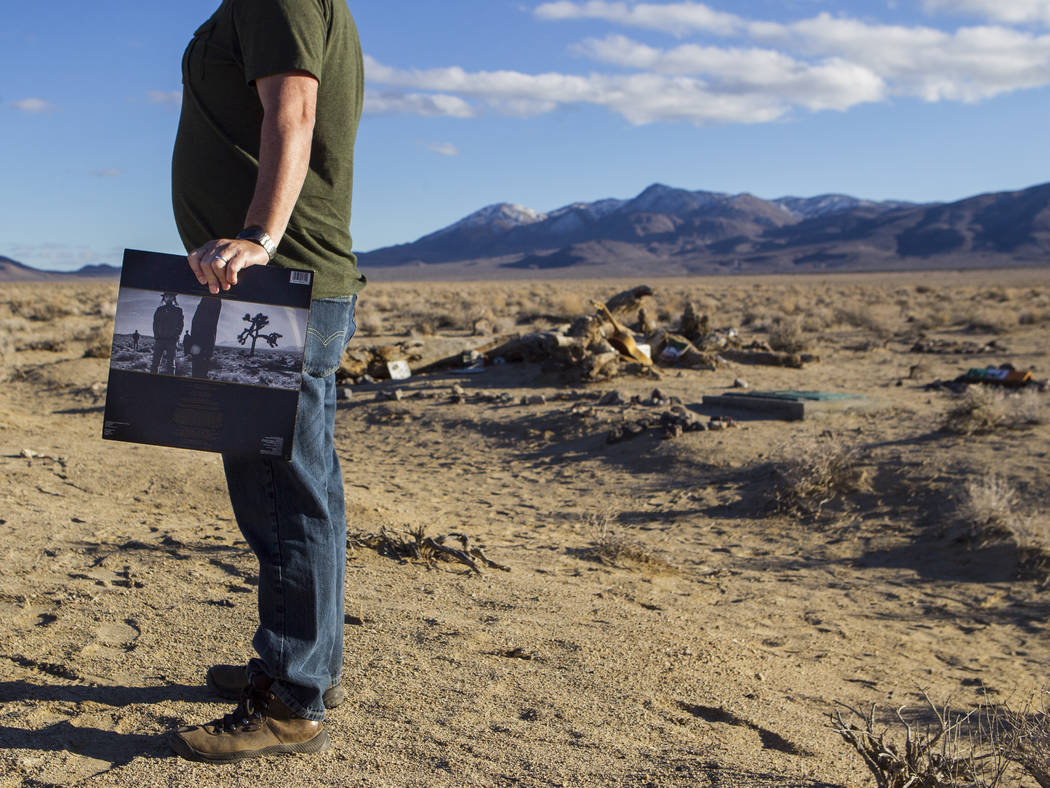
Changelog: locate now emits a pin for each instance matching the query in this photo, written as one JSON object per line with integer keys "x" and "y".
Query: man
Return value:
{"x": 202, "y": 339}
{"x": 167, "y": 325}
{"x": 262, "y": 171}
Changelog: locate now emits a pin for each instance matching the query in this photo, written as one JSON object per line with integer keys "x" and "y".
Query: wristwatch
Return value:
{"x": 257, "y": 234}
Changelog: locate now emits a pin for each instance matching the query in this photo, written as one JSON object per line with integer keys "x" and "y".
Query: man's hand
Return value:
{"x": 217, "y": 263}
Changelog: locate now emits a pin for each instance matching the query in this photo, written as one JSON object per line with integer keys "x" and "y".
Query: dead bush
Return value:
{"x": 786, "y": 335}
{"x": 983, "y": 409}
{"x": 942, "y": 755}
{"x": 813, "y": 474}
{"x": 616, "y": 548}
{"x": 1025, "y": 740}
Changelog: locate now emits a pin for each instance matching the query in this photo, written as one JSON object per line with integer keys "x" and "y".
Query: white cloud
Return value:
{"x": 425, "y": 104}
{"x": 833, "y": 83}
{"x": 169, "y": 97}
{"x": 675, "y": 18}
{"x": 640, "y": 98}
{"x": 443, "y": 148}
{"x": 1014, "y": 12}
{"x": 970, "y": 64}
{"x": 770, "y": 70}
{"x": 34, "y": 106}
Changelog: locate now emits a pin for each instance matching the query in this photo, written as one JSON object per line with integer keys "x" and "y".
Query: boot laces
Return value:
{"x": 249, "y": 713}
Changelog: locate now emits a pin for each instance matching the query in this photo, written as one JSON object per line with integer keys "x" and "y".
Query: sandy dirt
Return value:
{"x": 714, "y": 663}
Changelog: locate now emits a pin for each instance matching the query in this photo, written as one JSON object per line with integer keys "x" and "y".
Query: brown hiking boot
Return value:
{"x": 262, "y": 724}
{"x": 230, "y": 681}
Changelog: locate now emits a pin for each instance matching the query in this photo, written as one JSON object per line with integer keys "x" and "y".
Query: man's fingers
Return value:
{"x": 195, "y": 265}
{"x": 234, "y": 268}
{"x": 218, "y": 263}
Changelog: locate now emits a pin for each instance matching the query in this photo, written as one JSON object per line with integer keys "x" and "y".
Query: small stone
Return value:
{"x": 536, "y": 399}
{"x": 344, "y": 392}
{"x": 635, "y": 428}
{"x": 613, "y": 397}
{"x": 672, "y": 430}
{"x": 740, "y": 384}
{"x": 458, "y": 391}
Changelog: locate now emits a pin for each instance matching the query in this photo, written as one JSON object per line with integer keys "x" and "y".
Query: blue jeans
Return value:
{"x": 293, "y": 515}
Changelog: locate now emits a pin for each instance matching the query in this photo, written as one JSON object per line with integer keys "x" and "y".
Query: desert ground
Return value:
{"x": 680, "y": 610}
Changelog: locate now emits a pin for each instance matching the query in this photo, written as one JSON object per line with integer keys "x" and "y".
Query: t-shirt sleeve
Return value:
{"x": 278, "y": 36}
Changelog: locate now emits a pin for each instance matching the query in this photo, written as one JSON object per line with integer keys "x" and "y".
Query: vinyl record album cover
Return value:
{"x": 210, "y": 372}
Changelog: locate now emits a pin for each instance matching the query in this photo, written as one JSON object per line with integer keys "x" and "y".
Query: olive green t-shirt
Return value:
{"x": 216, "y": 158}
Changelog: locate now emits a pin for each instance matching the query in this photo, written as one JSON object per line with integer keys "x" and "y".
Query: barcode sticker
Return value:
{"x": 301, "y": 277}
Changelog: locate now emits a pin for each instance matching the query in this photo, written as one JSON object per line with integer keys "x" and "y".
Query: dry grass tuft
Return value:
{"x": 616, "y": 548}
{"x": 813, "y": 474}
{"x": 982, "y": 409}
{"x": 992, "y": 510}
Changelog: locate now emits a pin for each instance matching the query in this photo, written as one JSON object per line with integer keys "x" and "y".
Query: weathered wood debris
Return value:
{"x": 618, "y": 338}
{"x": 416, "y": 545}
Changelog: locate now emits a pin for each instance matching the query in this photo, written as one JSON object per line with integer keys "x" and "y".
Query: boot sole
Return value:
{"x": 318, "y": 743}
{"x": 332, "y": 698}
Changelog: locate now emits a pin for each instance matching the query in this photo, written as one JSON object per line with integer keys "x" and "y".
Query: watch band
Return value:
{"x": 257, "y": 234}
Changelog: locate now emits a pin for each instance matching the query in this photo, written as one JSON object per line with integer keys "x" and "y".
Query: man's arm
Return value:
{"x": 289, "y": 107}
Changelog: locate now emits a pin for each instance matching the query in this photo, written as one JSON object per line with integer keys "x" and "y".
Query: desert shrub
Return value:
{"x": 614, "y": 547}
{"x": 1024, "y": 738}
{"x": 43, "y": 310}
{"x": 568, "y": 306}
{"x": 818, "y": 319}
{"x": 99, "y": 343}
{"x": 990, "y": 508}
{"x": 814, "y": 473}
{"x": 787, "y": 335}
{"x": 983, "y": 409}
{"x": 930, "y": 318}
{"x": 954, "y": 750}
{"x": 992, "y": 511}
{"x": 991, "y": 321}
{"x": 47, "y": 344}
{"x": 877, "y": 319}
{"x": 1031, "y": 317}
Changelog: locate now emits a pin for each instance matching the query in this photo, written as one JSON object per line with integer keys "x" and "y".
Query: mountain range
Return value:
{"x": 14, "y": 271}
{"x": 670, "y": 231}
{"x": 665, "y": 231}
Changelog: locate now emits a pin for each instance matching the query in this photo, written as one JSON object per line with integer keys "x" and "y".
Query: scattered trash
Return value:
{"x": 398, "y": 370}
{"x": 1003, "y": 375}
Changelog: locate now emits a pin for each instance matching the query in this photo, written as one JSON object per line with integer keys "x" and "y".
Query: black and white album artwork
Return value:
{"x": 209, "y": 338}
{"x": 215, "y": 372}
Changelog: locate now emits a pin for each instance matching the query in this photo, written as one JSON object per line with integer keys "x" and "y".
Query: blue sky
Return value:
{"x": 471, "y": 102}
